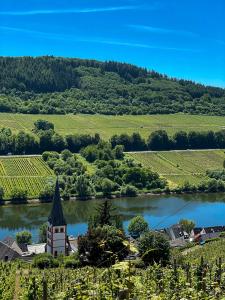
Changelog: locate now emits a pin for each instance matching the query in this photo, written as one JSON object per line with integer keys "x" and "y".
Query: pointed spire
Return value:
{"x": 56, "y": 217}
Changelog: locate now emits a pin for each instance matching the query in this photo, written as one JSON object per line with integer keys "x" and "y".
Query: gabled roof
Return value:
{"x": 12, "y": 243}
{"x": 56, "y": 217}
{"x": 7, "y": 251}
{"x": 9, "y": 241}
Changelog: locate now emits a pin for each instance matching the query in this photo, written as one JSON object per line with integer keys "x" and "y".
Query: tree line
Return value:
{"x": 44, "y": 138}
{"x": 181, "y": 140}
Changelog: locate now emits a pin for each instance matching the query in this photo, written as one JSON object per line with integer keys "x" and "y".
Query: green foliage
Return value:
{"x": 50, "y": 155}
{"x": 137, "y": 226}
{"x": 43, "y": 233}
{"x": 47, "y": 193}
{"x": 24, "y": 237}
{"x": 154, "y": 248}
{"x": 51, "y": 85}
{"x": 45, "y": 260}
{"x": 129, "y": 190}
{"x": 65, "y": 154}
{"x": 107, "y": 187}
{"x": 105, "y": 214}
{"x": 18, "y": 195}
{"x": 83, "y": 186}
{"x": 102, "y": 246}
{"x": 118, "y": 152}
{"x": 72, "y": 262}
{"x": 43, "y": 125}
{"x": 187, "y": 225}
{"x": 1, "y": 193}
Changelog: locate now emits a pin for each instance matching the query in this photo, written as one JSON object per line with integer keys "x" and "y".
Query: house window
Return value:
{"x": 56, "y": 230}
{"x": 61, "y": 229}
{"x": 55, "y": 253}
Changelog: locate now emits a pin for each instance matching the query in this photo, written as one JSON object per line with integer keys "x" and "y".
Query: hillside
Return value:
{"x": 29, "y": 174}
{"x": 52, "y": 85}
{"x": 107, "y": 126}
{"x": 179, "y": 167}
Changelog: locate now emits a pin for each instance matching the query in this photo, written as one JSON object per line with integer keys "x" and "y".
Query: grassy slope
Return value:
{"x": 106, "y": 126}
{"x": 29, "y": 173}
{"x": 180, "y": 166}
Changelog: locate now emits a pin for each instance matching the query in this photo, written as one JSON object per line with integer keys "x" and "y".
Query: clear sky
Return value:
{"x": 181, "y": 38}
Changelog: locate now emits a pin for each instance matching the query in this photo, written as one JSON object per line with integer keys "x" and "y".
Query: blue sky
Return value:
{"x": 181, "y": 38}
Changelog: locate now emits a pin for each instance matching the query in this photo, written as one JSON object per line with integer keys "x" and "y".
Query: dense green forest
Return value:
{"x": 53, "y": 85}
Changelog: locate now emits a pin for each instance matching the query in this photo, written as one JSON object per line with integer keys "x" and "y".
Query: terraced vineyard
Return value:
{"x": 180, "y": 166}
{"x": 28, "y": 173}
{"x": 106, "y": 126}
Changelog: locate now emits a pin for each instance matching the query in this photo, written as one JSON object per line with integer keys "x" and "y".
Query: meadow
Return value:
{"x": 107, "y": 126}
{"x": 180, "y": 166}
{"x": 26, "y": 173}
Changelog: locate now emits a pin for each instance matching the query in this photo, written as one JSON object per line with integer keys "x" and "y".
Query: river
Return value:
{"x": 159, "y": 212}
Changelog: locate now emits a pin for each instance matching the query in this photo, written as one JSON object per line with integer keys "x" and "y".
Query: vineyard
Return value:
{"x": 107, "y": 126}
{"x": 202, "y": 281}
{"x": 180, "y": 166}
{"x": 26, "y": 173}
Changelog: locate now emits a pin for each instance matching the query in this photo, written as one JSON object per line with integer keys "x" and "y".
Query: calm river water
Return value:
{"x": 159, "y": 211}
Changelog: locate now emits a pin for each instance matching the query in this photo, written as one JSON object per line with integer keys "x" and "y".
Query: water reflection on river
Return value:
{"x": 159, "y": 211}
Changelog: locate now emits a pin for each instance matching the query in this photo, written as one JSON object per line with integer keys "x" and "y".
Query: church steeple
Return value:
{"x": 57, "y": 229}
{"x": 56, "y": 217}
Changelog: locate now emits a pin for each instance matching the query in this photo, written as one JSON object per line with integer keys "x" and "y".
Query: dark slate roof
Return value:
{"x": 178, "y": 232}
{"x": 214, "y": 229}
{"x": 56, "y": 217}
{"x": 9, "y": 241}
{"x": 5, "y": 250}
{"x": 197, "y": 230}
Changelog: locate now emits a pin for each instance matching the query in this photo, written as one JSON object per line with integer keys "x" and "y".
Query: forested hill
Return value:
{"x": 55, "y": 85}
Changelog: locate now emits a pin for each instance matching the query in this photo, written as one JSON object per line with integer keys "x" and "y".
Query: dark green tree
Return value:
{"x": 24, "y": 237}
{"x": 137, "y": 226}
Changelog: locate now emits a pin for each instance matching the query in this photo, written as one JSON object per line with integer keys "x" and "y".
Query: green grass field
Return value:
{"x": 106, "y": 126}
{"x": 180, "y": 166}
{"x": 27, "y": 173}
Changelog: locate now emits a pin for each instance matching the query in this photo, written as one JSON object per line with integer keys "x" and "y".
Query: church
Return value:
{"x": 57, "y": 240}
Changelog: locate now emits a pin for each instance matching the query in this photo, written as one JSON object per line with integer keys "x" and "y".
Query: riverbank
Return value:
{"x": 8, "y": 203}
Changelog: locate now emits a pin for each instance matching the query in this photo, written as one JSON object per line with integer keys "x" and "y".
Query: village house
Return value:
{"x": 201, "y": 234}
{"x": 57, "y": 240}
{"x": 177, "y": 236}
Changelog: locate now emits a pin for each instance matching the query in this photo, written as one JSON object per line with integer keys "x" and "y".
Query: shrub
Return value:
{"x": 65, "y": 154}
{"x": 154, "y": 248}
{"x": 47, "y": 193}
{"x": 18, "y": 195}
{"x": 24, "y": 237}
{"x": 49, "y": 155}
{"x": 72, "y": 262}
{"x": 45, "y": 260}
{"x": 129, "y": 190}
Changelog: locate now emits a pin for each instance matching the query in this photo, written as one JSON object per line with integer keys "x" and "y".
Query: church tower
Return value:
{"x": 57, "y": 227}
